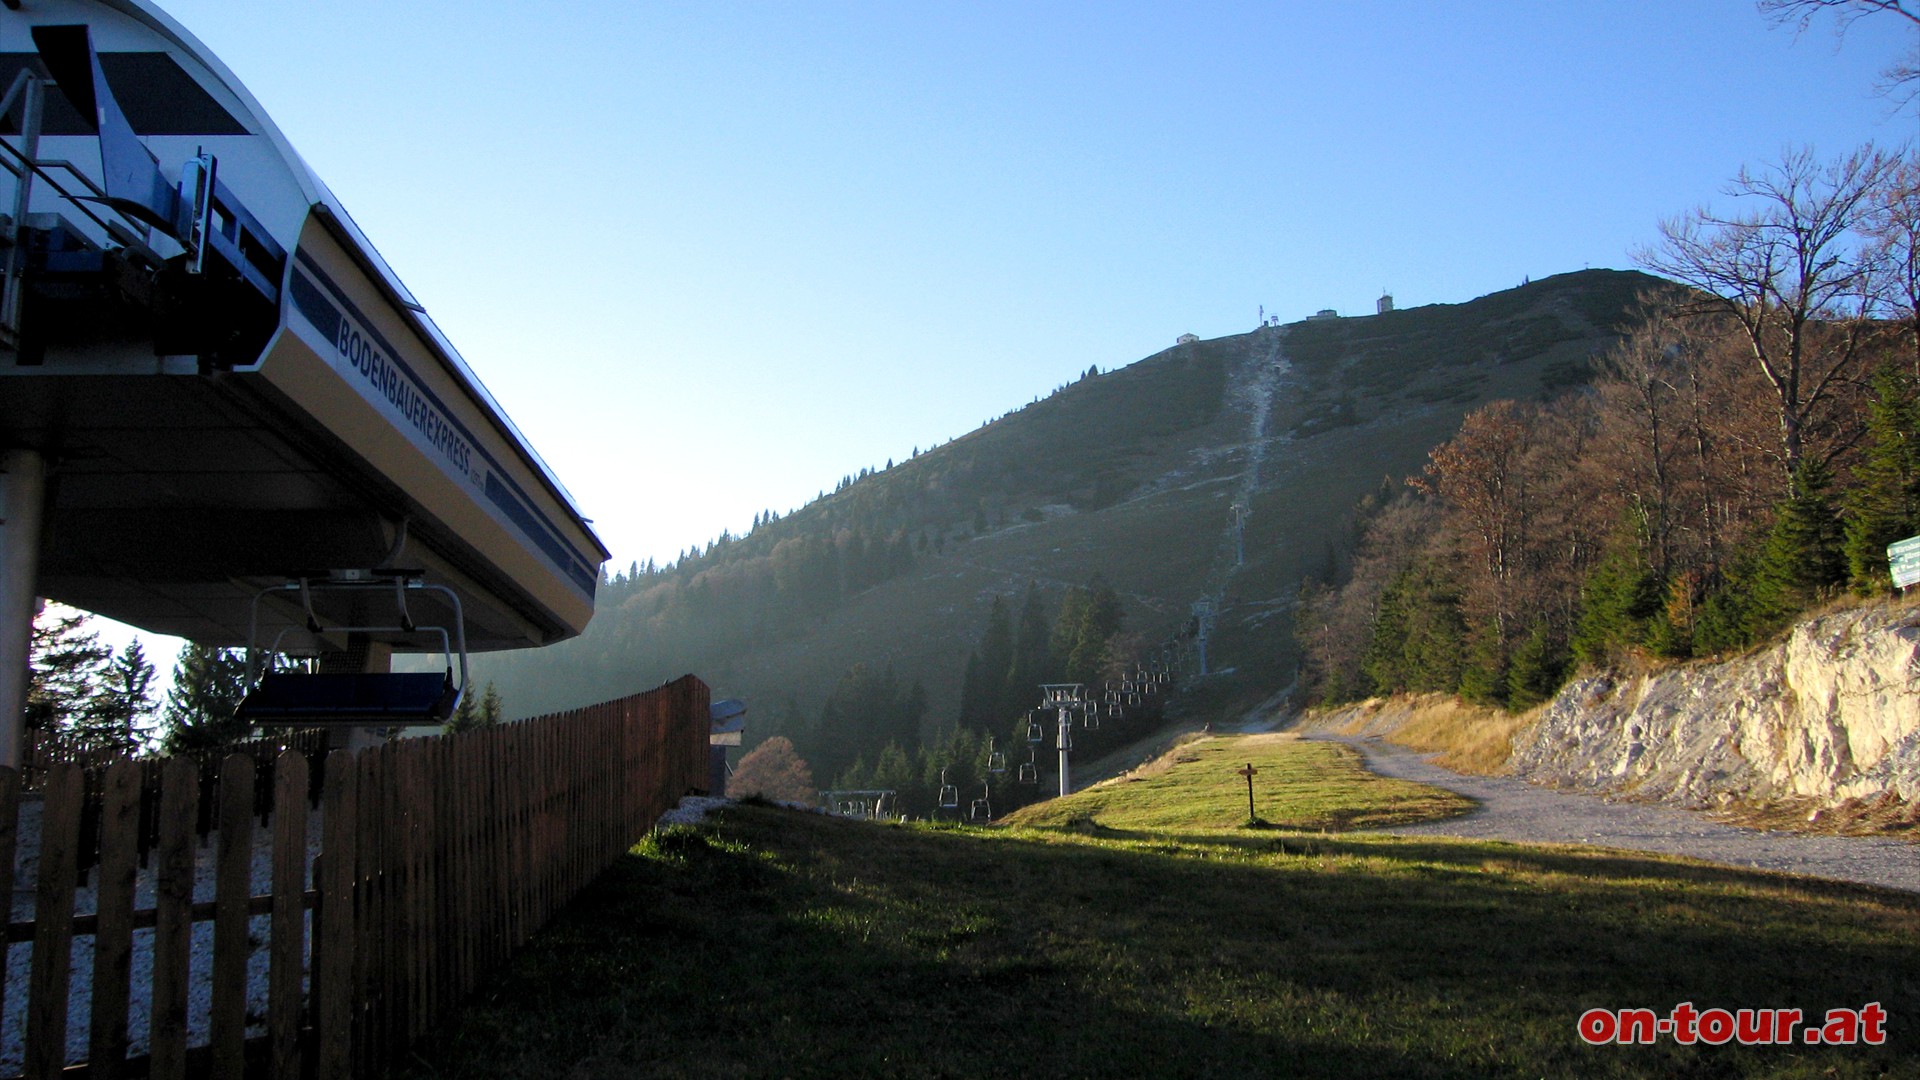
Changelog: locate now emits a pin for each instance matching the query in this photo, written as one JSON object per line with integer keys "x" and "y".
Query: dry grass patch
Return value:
{"x": 1883, "y": 815}
{"x": 1469, "y": 738}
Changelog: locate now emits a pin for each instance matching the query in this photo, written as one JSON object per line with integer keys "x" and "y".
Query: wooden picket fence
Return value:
{"x": 436, "y": 859}
{"x": 41, "y": 750}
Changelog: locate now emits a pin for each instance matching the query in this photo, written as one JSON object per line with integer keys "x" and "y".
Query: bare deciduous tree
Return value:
{"x": 1900, "y": 80}
{"x": 1794, "y": 272}
{"x": 1893, "y": 223}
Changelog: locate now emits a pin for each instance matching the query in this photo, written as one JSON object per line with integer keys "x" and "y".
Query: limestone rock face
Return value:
{"x": 1832, "y": 713}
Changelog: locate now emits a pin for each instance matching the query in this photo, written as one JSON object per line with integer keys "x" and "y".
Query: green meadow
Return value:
{"x": 1150, "y": 933}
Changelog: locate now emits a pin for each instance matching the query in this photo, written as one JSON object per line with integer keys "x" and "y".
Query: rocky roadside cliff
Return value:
{"x": 1830, "y": 714}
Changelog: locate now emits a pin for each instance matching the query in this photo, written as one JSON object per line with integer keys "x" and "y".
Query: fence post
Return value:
{"x": 288, "y": 934}
{"x": 113, "y": 937}
{"x": 233, "y": 885}
{"x": 53, "y": 930}
{"x": 173, "y": 918}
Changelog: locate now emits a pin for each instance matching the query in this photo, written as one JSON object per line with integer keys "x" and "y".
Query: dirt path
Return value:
{"x": 1516, "y": 810}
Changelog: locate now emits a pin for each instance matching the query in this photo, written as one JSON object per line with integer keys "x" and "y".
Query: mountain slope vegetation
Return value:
{"x": 1129, "y": 475}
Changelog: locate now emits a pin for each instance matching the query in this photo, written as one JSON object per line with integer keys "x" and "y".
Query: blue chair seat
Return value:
{"x": 369, "y": 700}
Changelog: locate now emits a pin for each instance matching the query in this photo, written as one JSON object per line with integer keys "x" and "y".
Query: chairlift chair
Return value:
{"x": 949, "y": 794}
{"x": 996, "y": 760}
{"x": 1029, "y": 769}
{"x": 1090, "y": 720}
{"x": 981, "y": 812}
{"x": 1133, "y": 700}
{"x": 370, "y": 699}
{"x": 1035, "y": 732}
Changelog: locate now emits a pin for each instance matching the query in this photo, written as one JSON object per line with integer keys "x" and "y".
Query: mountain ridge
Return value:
{"x": 1128, "y": 474}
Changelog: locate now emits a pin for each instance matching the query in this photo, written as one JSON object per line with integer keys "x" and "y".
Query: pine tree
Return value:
{"x": 973, "y": 707}
{"x": 490, "y": 706}
{"x": 69, "y": 665}
{"x": 208, "y": 684}
{"x": 1618, "y": 603}
{"x": 1884, "y": 504}
{"x": 475, "y": 710}
{"x": 1803, "y": 555}
{"x": 116, "y": 717}
{"x": 466, "y": 714}
{"x": 855, "y": 777}
{"x": 1031, "y": 661}
{"x": 996, "y": 663}
{"x": 1419, "y": 636}
{"x": 892, "y": 771}
{"x": 1486, "y": 669}
{"x": 1538, "y": 668}
{"x": 1089, "y": 618}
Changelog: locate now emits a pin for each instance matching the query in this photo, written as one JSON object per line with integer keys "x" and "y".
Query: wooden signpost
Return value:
{"x": 1252, "y": 818}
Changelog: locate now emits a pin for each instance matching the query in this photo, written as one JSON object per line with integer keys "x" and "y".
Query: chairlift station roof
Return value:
{"x": 213, "y": 429}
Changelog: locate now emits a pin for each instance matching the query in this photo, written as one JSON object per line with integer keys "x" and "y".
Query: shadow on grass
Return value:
{"x": 785, "y": 944}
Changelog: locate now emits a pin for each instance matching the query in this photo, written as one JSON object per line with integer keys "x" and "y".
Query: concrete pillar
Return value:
{"x": 23, "y": 489}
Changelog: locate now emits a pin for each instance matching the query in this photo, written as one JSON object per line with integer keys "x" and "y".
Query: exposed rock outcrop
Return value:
{"x": 1830, "y": 714}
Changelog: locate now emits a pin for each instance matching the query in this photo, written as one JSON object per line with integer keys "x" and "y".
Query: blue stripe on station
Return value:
{"x": 321, "y": 311}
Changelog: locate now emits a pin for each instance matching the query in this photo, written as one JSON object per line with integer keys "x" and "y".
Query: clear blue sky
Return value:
{"x": 712, "y": 256}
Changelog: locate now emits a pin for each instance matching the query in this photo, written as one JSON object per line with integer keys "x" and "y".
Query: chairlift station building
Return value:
{"x": 211, "y": 384}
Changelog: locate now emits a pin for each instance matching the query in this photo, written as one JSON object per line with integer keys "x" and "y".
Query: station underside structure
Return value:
{"x": 222, "y": 416}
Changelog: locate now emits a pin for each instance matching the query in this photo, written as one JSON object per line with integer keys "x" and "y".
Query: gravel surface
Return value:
{"x": 1516, "y": 810}
{"x": 200, "y": 978}
{"x": 692, "y": 810}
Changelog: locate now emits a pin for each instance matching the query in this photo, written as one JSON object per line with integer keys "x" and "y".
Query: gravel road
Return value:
{"x": 1516, "y": 810}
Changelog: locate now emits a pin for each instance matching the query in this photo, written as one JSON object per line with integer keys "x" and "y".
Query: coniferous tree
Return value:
{"x": 491, "y": 707}
{"x": 996, "y": 663}
{"x": 208, "y": 684}
{"x": 475, "y": 710}
{"x": 1031, "y": 660}
{"x": 1884, "y": 503}
{"x": 1804, "y": 554}
{"x": 855, "y": 777}
{"x": 892, "y": 771}
{"x": 1485, "y": 671}
{"x": 68, "y": 665}
{"x": 1618, "y": 601}
{"x": 466, "y": 713}
{"x": 1538, "y": 668}
{"x": 1419, "y": 635}
{"x": 116, "y": 718}
{"x": 1089, "y": 618}
{"x": 972, "y": 693}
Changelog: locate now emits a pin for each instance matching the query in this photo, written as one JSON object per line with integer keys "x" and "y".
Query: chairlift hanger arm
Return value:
{"x": 401, "y": 581}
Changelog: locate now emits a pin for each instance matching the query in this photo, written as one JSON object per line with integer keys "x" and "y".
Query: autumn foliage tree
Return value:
{"x": 1748, "y": 448}
{"x": 773, "y": 770}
